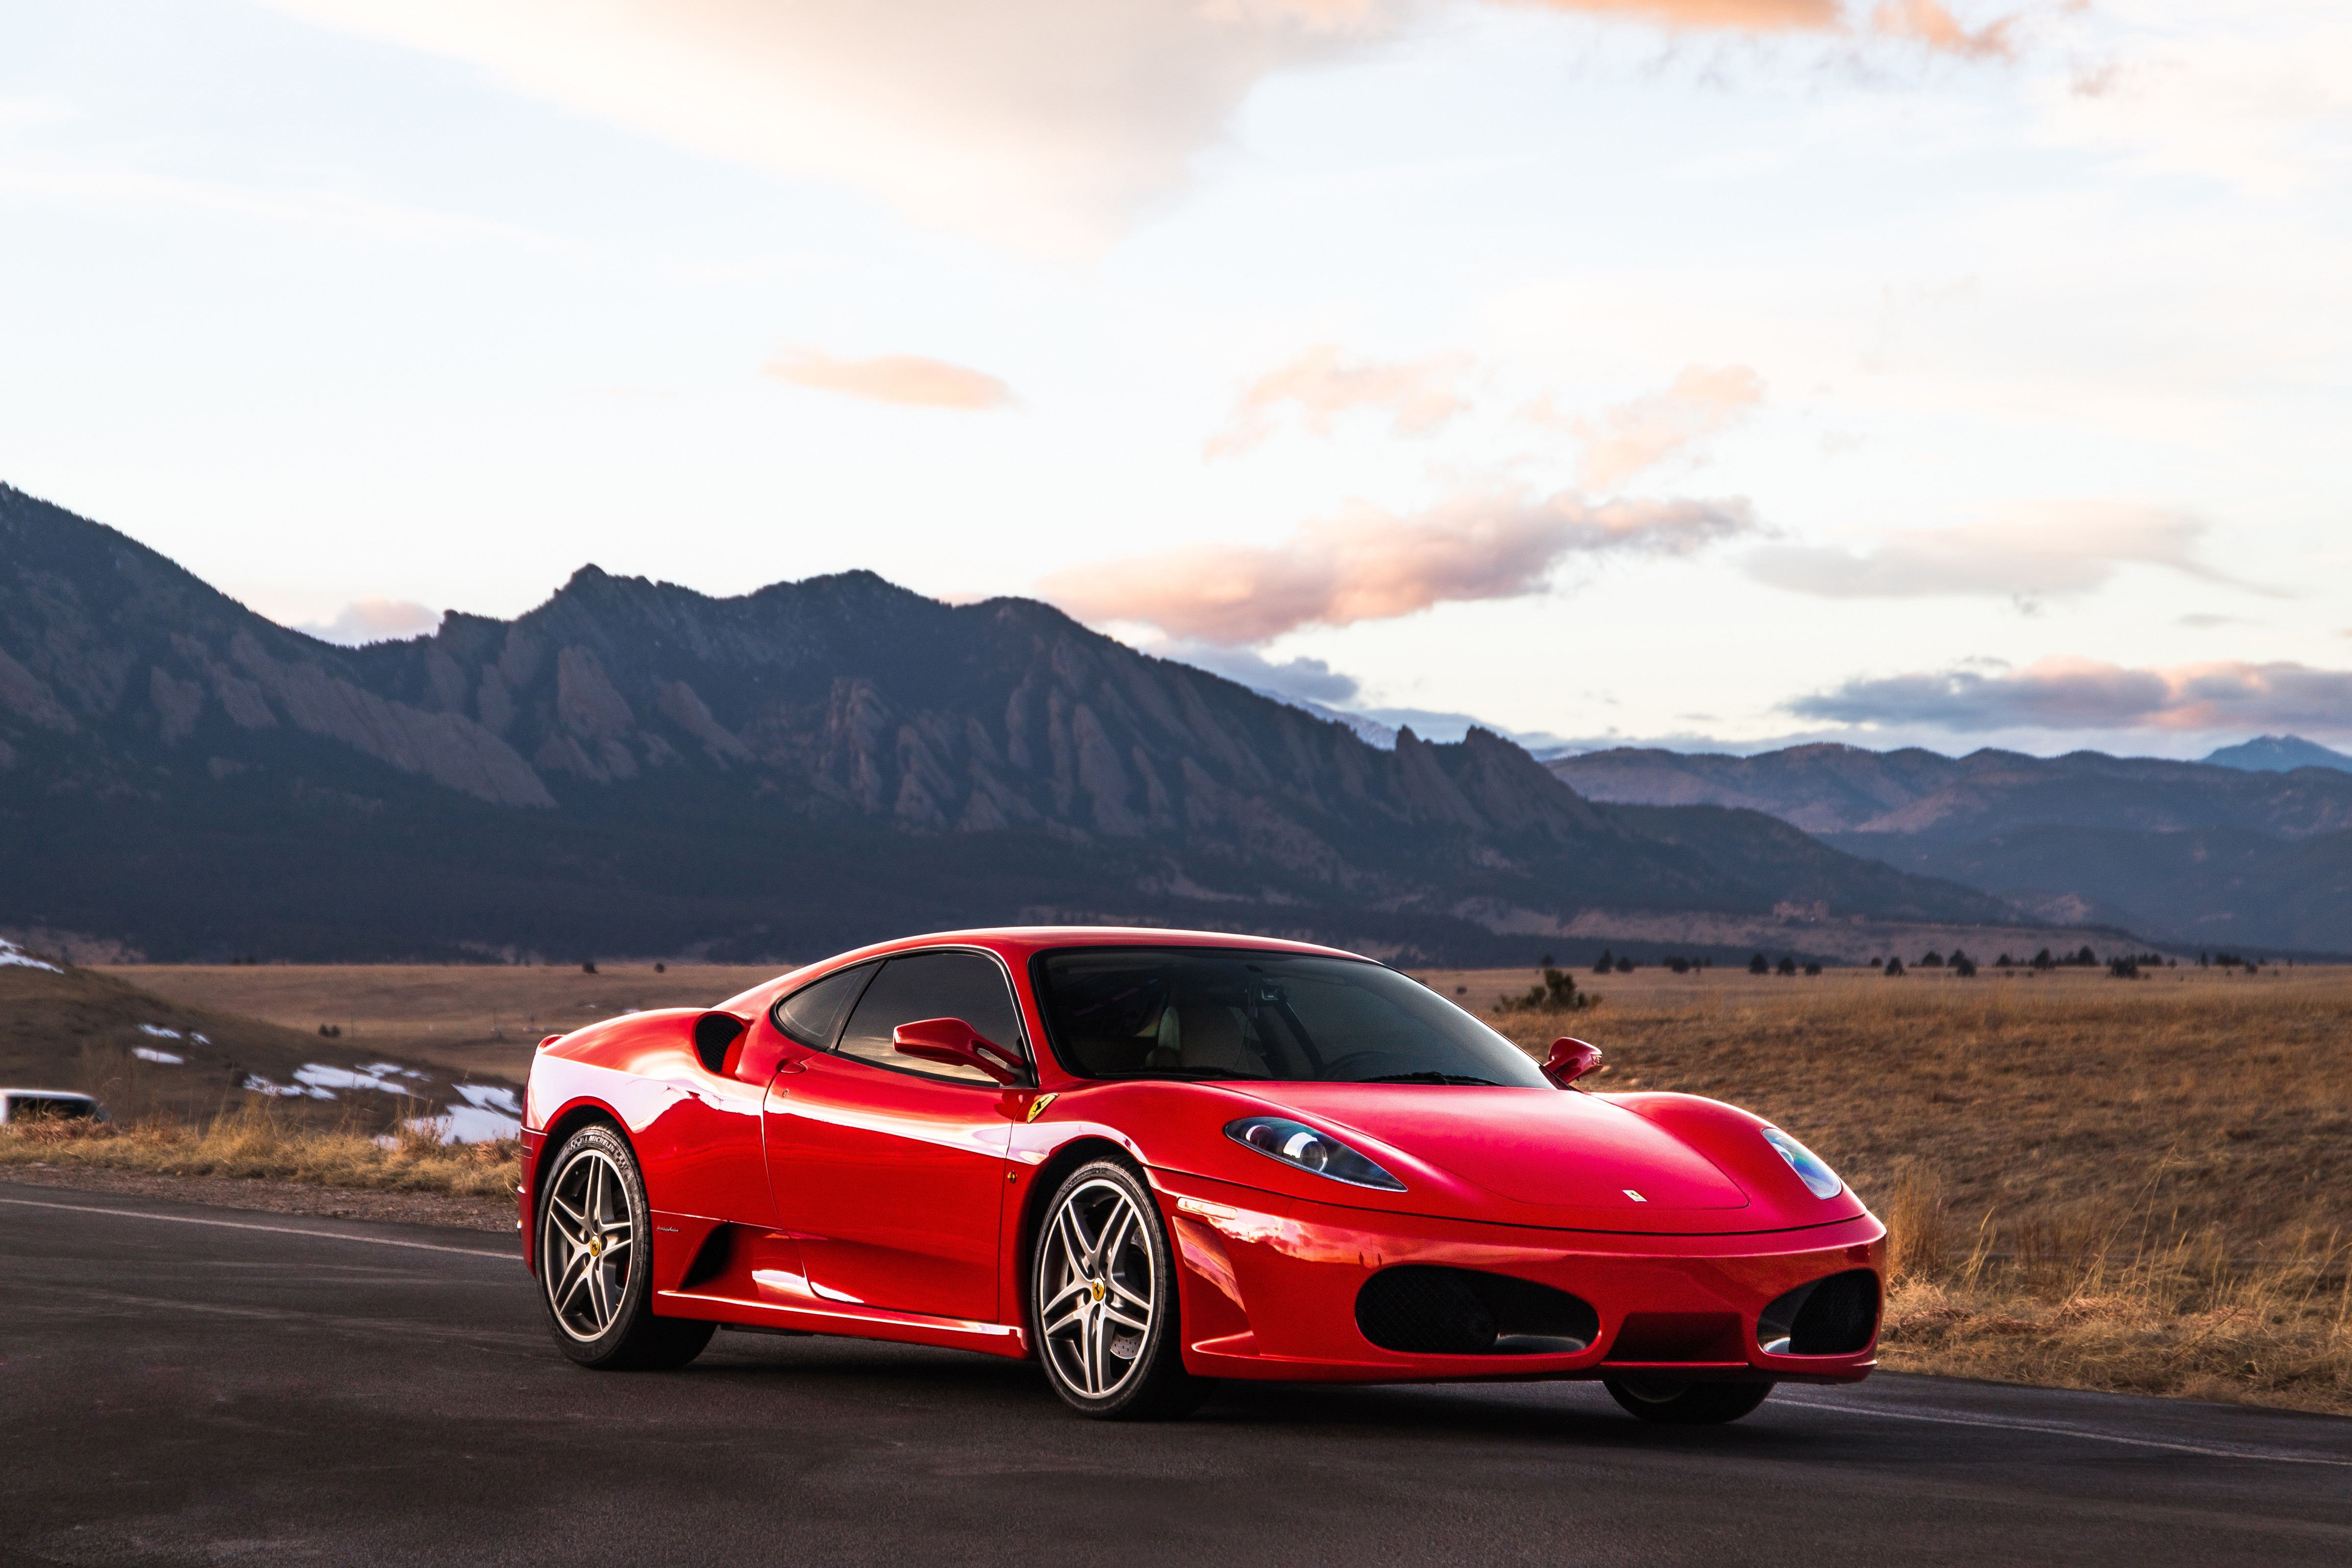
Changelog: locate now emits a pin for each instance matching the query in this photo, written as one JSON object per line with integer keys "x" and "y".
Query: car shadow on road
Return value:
{"x": 960, "y": 1383}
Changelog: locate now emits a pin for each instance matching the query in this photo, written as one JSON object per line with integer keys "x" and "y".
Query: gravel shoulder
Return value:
{"x": 267, "y": 1197}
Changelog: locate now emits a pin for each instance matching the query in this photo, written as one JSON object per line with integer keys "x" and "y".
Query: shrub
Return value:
{"x": 1757, "y": 965}
{"x": 1894, "y": 966}
{"x": 1555, "y": 993}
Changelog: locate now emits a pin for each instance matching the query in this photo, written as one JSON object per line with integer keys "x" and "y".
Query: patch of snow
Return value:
{"x": 261, "y": 1085}
{"x": 317, "y": 1075}
{"x": 200, "y": 1039}
{"x": 150, "y": 1053}
{"x": 11, "y": 953}
{"x": 391, "y": 1070}
{"x": 160, "y": 1032}
{"x": 469, "y": 1124}
{"x": 491, "y": 1097}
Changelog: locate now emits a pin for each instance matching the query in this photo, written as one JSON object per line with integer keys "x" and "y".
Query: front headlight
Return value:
{"x": 1811, "y": 1169}
{"x": 1295, "y": 1144}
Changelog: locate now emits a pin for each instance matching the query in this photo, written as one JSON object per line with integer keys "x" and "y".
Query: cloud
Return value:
{"x": 2027, "y": 553}
{"x": 2083, "y": 694}
{"x": 1051, "y": 124}
{"x": 1309, "y": 680}
{"x": 1319, "y": 385}
{"x": 365, "y": 621}
{"x": 1048, "y": 124}
{"x": 1923, "y": 22}
{"x": 908, "y": 379}
{"x": 1369, "y": 564}
{"x": 1623, "y": 440}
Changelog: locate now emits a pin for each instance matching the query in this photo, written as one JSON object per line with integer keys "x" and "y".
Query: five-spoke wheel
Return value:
{"x": 585, "y": 1248}
{"x": 1104, "y": 1299}
{"x": 592, "y": 1261}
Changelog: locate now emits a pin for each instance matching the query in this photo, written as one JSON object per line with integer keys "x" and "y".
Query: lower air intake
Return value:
{"x": 1836, "y": 1316}
{"x": 1461, "y": 1312}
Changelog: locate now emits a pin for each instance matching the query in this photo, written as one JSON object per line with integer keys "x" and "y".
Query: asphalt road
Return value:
{"x": 182, "y": 1385}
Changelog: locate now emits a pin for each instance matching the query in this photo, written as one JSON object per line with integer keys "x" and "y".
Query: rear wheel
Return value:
{"x": 1673, "y": 1403}
{"x": 594, "y": 1273}
{"x": 1103, "y": 1300}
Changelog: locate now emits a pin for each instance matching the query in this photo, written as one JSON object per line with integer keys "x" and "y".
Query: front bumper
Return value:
{"x": 1268, "y": 1288}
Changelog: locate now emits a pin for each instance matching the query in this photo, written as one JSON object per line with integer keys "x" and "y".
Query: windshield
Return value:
{"x": 1214, "y": 1012}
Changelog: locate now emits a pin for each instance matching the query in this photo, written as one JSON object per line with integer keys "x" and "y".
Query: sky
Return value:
{"x": 1700, "y": 373}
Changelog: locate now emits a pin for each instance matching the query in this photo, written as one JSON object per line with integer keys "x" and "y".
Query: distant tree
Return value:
{"x": 589, "y": 968}
{"x": 2043, "y": 960}
{"x": 2086, "y": 958}
{"x": 2002, "y": 962}
{"x": 2123, "y": 968}
{"x": 1813, "y": 969}
{"x": 1547, "y": 960}
{"x": 1757, "y": 965}
{"x": 1624, "y": 966}
{"x": 1878, "y": 963}
{"x": 2200, "y": 961}
{"x": 1894, "y": 966}
{"x": 1788, "y": 965}
{"x": 1555, "y": 993}
{"x": 1679, "y": 965}
{"x": 1964, "y": 966}
{"x": 660, "y": 968}
{"x": 1606, "y": 963}
{"x": 1931, "y": 959}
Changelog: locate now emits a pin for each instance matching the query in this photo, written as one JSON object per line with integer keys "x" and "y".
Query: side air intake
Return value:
{"x": 1461, "y": 1312}
{"x": 1836, "y": 1316}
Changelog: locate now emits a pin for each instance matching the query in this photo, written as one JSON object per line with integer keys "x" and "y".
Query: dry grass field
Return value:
{"x": 2094, "y": 1183}
{"x": 483, "y": 1019}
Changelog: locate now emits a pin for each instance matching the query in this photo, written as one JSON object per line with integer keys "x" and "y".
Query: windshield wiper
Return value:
{"x": 1432, "y": 1077}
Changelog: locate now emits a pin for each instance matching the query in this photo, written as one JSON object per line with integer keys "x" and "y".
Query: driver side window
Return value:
{"x": 967, "y": 985}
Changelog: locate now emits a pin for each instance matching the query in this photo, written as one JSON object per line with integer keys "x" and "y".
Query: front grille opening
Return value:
{"x": 1836, "y": 1316}
{"x": 1461, "y": 1312}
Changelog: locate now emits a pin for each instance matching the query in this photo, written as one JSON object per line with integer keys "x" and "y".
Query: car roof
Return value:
{"x": 1017, "y": 944}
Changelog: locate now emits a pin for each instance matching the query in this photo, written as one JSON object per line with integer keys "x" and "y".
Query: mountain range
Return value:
{"x": 633, "y": 767}
{"x": 2210, "y": 854}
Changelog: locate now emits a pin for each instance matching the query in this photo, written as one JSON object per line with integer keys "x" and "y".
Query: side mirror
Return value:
{"x": 1571, "y": 1060}
{"x": 957, "y": 1044}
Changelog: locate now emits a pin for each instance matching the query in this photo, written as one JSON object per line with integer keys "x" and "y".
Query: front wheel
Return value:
{"x": 1102, "y": 1300}
{"x": 594, "y": 1270}
{"x": 1677, "y": 1403}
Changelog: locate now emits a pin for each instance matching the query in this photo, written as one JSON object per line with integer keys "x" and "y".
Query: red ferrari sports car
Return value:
{"x": 1152, "y": 1159}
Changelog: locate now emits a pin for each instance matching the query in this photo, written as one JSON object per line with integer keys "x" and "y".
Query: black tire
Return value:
{"x": 1677, "y": 1404}
{"x": 1102, "y": 1249}
{"x": 595, "y": 1235}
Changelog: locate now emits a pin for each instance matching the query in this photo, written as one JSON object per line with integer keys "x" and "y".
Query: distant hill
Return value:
{"x": 636, "y": 768}
{"x": 2192, "y": 852}
{"x": 87, "y": 1031}
{"x": 2279, "y": 754}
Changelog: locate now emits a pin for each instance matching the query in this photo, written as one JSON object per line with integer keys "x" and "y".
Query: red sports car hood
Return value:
{"x": 1533, "y": 1146}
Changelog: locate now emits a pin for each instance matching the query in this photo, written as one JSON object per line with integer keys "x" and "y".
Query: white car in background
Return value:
{"x": 25, "y": 1104}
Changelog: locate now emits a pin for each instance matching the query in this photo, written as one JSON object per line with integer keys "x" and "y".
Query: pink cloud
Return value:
{"x": 1622, "y": 441}
{"x": 1369, "y": 564}
{"x": 1319, "y": 385}
{"x": 1925, "y": 22}
{"x": 2085, "y": 694}
{"x": 908, "y": 379}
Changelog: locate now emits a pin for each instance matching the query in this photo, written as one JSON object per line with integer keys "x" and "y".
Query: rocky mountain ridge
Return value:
{"x": 633, "y": 766}
{"x": 2193, "y": 853}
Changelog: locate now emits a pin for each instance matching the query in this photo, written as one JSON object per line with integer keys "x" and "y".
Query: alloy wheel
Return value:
{"x": 1097, "y": 1290}
{"x": 584, "y": 1245}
